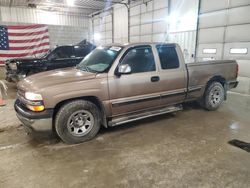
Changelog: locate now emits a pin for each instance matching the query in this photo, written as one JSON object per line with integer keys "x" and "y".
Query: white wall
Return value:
{"x": 120, "y": 24}
{"x": 182, "y": 26}
{"x": 102, "y": 28}
{"x": 63, "y": 28}
{"x": 29, "y": 15}
{"x": 148, "y": 21}
{"x": 225, "y": 25}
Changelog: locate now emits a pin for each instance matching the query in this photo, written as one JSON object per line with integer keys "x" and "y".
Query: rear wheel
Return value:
{"x": 213, "y": 97}
{"x": 77, "y": 121}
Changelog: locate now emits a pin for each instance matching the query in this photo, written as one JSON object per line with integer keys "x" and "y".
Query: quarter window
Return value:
{"x": 140, "y": 59}
{"x": 168, "y": 57}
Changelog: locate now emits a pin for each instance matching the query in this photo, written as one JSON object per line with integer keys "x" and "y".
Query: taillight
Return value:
{"x": 237, "y": 70}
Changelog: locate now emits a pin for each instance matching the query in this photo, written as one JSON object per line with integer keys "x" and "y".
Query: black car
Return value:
{"x": 59, "y": 57}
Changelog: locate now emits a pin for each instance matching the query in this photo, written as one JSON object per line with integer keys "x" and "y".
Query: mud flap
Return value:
{"x": 226, "y": 89}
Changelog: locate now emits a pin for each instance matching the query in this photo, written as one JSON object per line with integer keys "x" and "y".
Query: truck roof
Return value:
{"x": 140, "y": 43}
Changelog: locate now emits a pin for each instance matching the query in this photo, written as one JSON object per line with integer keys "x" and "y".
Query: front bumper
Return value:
{"x": 34, "y": 121}
{"x": 13, "y": 77}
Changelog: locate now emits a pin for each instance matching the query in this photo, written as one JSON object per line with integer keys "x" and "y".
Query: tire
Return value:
{"x": 213, "y": 96}
{"x": 77, "y": 121}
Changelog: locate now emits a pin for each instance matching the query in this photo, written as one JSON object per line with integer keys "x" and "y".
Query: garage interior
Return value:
{"x": 190, "y": 148}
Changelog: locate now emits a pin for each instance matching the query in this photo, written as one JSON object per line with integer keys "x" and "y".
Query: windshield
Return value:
{"x": 99, "y": 60}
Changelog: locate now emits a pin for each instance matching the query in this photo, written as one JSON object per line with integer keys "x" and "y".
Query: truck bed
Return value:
{"x": 199, "y": 73}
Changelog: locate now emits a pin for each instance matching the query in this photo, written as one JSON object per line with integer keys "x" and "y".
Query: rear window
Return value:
{"x": 168, "y": 57}
{"x": 61, "y": 52}
{"x": 82, "y": 51}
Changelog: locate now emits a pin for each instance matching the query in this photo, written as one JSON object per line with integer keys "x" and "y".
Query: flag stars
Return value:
{"x": 4, "y": 42}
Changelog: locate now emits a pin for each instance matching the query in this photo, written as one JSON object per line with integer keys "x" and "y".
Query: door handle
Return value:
{"x": 155, "y": 78}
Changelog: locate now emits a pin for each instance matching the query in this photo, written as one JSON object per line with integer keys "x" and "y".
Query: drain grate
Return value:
{"x": 240, "y": 144}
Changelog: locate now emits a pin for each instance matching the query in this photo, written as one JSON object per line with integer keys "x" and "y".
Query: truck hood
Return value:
{"x": 25, "y": 60}
{"x": 55, "y": 77}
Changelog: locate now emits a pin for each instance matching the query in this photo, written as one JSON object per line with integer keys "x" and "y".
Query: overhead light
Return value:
{"x": 70, "y": 2}
{"x": 97, "y": 36}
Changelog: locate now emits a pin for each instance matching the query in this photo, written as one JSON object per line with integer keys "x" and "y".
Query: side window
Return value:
{"x": 168, "y": 57}
{"x": 140, "y": 59}
{"x": 62, "y": 52}
{"x": 81, "y": 51}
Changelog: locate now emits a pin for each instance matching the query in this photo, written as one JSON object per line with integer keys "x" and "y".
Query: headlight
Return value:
{"x": 13, "y": 66}
{"x": 34, "y": 102}
{"x": 33, "y": 96}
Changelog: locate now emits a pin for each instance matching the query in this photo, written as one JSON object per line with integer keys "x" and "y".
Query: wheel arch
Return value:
{"x": 217, "y": 78}
{"x": 92, "y": 99}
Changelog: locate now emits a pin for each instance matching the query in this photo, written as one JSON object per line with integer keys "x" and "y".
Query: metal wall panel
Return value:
{"x": 62, "y": 35}
{"x": 25, "y": 15}
{"x": 235, "y": 3}
{"x": 211, "y": 35}
{"x": 212, "y": 5}
{"x": 63, "y": 29}
{"x": 224, "y": 26}
{"x": 240, "y": 15}
{"x": 148, "y": 21}
{"x": 237, "y": 45}
{"x": 103, "y": 27}
{"x": 238, "y": 33}
{"x": 186, "y": 39}
{"x": 214, "y": 19}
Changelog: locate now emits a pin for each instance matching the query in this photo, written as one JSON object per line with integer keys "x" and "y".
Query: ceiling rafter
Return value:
{"x": 81, "y": 6}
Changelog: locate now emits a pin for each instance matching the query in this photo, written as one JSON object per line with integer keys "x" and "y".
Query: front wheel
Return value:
{"x": 213, "y": 96}
{"x": 77, "y": 121}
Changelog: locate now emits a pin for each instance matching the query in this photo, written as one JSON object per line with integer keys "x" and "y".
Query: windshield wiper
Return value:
{"x": 84, "y": 68}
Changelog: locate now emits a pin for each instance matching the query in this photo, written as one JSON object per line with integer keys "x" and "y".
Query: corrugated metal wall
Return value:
{"x": 224, "y": 28}
{"x": 28, "y": 15}
{"x": 63, "y": 28}
{"x": 120, "y": 24}
{"x": 186, "y": 39}
{"x": 148, "y": 21}
{"x": 182, "y": 26}
{"x": 102, "y": 26}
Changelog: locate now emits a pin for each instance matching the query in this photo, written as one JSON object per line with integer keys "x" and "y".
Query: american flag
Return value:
{"x": 23, "y": 41}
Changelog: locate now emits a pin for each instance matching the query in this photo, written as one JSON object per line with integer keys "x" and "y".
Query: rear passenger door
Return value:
{"x": 172, "y": 73}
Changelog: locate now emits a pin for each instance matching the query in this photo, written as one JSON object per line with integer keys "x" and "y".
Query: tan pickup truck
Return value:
{"x": 116, "y": 84}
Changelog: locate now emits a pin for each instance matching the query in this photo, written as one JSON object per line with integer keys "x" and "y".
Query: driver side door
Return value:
{"x": 62, "y": 57}
{"x": 139, "y": 90}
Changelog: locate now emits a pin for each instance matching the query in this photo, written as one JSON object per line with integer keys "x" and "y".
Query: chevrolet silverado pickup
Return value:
{"x": 59, "y": 57}
{"x": 116, "y": 84}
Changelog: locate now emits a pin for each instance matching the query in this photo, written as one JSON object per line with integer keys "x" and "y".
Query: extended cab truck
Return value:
{"x": 116, "y": 84}
{"x": 59, "y": 57}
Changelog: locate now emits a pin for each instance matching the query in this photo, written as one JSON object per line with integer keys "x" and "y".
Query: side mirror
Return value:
{"x": 124, "y": 69}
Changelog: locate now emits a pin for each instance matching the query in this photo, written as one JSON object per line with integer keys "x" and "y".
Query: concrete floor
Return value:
{"x": 188, "y": 149}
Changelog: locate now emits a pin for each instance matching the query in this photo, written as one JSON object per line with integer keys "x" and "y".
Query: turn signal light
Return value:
{"x": 36, "y": 108}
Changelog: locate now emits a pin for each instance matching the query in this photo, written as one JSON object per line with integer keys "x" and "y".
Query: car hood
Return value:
{"x": 52, "y": 78}
{"x": 24, "y": 60}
